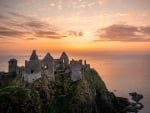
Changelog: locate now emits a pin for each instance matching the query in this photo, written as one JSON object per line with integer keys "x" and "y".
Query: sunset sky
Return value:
{"x": 75, "y": 25}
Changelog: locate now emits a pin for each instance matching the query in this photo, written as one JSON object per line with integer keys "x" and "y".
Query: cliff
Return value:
{"x": 88, "y": 95}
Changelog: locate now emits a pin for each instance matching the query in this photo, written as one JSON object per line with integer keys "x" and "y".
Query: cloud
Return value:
{"x": 2, "y": 17}
{"x": 49, "y": 34}
{"x": 6, "y": 32}
{"x": 121, "y": 32}
{"x": 21, "y": 26}
{"x": 52, "y": 4}
{"x": 36, "y": 24}
{"x": 30, "y": 39}
{"x": 145, "y": 30}
{"x": 27, "y": 21}
{"x": 75, "y": 33}
{"x": 101, "y": 2}
{"x": 14, "y": 14}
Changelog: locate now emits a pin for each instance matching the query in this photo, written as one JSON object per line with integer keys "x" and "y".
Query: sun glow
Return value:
{"x": 74, "y": 26}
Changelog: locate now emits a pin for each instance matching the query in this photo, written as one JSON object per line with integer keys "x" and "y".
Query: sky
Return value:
{"x": 75, "y": 25}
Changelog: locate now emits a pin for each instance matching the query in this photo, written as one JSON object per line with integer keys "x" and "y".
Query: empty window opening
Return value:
{"x": 32, "y": 71}
{"x": 63, "y": 60}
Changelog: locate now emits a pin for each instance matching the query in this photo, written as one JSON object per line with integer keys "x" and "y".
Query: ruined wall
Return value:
{"x": 48, "y": 67}
{"x": 32, "y": 70}
{"x": 57, "y": 64}
{"x": 12, "y": 66}
{"x": 76, "y": 70}
{"x": 31, "y": 77}
{"x": 64, "y": 60}
{"x": 33, "y": 66}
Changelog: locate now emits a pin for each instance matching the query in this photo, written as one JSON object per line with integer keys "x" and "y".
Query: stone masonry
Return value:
{"x": 35, "y": 67}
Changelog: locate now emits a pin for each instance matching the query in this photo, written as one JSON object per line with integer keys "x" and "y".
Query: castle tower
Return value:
{"x": 48, "y": 66}
{"x": 32, "y": 68}
{"x": 64, "y": 60}
{"x": 12, "y": 66}
{"x": 34, "y": 55}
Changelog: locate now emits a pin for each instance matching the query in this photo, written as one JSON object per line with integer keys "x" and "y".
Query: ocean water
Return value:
{"x": 122, "y": 73}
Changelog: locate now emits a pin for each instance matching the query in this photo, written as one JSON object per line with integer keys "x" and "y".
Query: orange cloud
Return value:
{"x": 120, "y": 32}
{"x": 32, "y": 27}
{"x": 6, "y": 32}
{"x": 75, "y": 33}
{"x": 49, "y": 34}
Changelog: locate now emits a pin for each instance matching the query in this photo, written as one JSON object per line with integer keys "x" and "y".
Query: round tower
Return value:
{"x": 12, "y": 66}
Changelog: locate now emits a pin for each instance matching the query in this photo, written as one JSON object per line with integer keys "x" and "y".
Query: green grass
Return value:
{"x": 94, "y": 80}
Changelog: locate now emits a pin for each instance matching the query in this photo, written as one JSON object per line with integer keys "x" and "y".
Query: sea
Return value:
{"x": 122, "y": 72}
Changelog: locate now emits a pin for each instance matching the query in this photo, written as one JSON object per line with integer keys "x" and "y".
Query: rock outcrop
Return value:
{"x": 88, "y": 95}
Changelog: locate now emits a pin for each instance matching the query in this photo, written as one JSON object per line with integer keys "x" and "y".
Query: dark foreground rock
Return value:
{"x": 89, "y": 95}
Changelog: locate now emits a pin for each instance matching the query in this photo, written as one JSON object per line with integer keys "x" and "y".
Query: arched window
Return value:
{"x": 45, "y": 66}
{"x": 63, "y": 61}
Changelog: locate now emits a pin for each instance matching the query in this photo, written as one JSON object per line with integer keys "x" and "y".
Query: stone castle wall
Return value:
{"x": 76, "y": 70}
{"x": 31, "y": 77}
{"x": 32, "y": 66}
{"x": 48, "y": 69}
{"x": 35, "y": 68}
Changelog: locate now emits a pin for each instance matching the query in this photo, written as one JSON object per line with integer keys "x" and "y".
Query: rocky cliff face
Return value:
{"x": 89, "y": 95}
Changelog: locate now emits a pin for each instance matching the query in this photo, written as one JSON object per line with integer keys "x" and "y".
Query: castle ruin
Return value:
{"x": 35, "y": 68}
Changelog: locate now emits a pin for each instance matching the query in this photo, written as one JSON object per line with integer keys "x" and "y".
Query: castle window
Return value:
{"x": 45, "y": 67}
{"x": 63, "y": 61}
{"x": 32, "y": 71}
